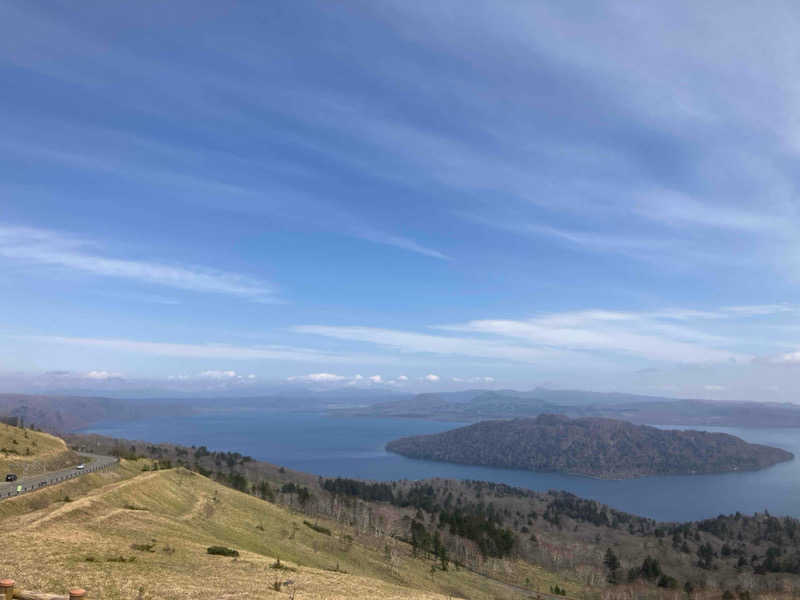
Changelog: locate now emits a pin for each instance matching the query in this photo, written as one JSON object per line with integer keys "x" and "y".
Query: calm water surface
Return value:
{"x": 353, "y": 447}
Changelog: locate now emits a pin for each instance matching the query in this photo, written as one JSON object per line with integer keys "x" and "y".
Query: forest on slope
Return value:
{"x": 595, "y": 447}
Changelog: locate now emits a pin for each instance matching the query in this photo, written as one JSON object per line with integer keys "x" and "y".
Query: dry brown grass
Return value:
{"x": 88, "y": 542}
{"x": 28, "y": 452}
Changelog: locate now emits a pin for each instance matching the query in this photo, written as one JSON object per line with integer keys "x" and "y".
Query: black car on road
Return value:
{"x": 11, "y": 477}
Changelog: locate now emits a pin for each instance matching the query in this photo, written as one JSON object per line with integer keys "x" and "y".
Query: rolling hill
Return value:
{"x": 31, "y": 452}
{"x": 145, "y": 534}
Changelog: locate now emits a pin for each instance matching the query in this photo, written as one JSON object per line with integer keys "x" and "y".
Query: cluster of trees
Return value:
{"x": 485, "y": 529}
{"x": 303, "y": 494}
{"x": 776, "y": 560}
{"x": 264, "y": 491}
{"x": 371, "y": 492}
{"x": 431, "y": 545}
{"x": 231, "y": 459}
{"x": 649, "y": 570}
{"x": 474, "y": 521}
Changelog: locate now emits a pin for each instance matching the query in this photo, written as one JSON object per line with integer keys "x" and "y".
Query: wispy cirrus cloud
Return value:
{"x": 425, "y": 343}
{"x": 667, "y": 336}
{"x": 182, "y": 350}
{"x": 658, "y": 343}
{"x": 49, "y": 248}
{"x": 398, "y": 241}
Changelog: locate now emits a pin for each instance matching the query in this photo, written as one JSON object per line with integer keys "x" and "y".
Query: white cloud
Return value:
{"x": 318, "y": 378}
{"x": 431, "y": 377}
{"x": 401, "y": 378}
{"x": 714, "y": 388}
{"x": 44, "y": 247}
{"x": 788, "y": 358}
{"x": 219, "y": 374}
{"x": 100, "y": 375}
{"x": 332, "y": 378}
{"x": 214, "y": 375}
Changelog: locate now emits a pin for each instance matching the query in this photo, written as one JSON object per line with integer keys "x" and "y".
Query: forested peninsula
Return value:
{"x": 595, "y": 447}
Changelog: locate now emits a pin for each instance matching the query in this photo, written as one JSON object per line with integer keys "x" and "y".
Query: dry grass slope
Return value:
{"x": 31, "y": 452}
{"x": 172, "y": 516}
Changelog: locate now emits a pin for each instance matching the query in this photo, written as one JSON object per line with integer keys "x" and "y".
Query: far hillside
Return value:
{"x": 596, "y": 447}
{"x": 60, "y": 414}
{"x": 28, "y": 452}
{"x": 480, "y": 405}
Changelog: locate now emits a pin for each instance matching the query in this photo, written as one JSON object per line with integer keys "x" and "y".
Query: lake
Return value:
{"x": 353, "y": 447}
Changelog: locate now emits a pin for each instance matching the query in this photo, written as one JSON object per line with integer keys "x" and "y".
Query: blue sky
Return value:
{"x": 400, "y": 195}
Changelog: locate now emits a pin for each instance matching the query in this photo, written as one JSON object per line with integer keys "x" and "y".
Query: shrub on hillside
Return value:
{"x": 222, "y": 551}
{"x": 143, "y": 547}
{"x": 317, "y": 528}
{"x": 280, "y": 566}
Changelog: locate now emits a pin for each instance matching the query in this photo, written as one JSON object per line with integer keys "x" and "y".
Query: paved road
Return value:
{"x": 93, "y": 462}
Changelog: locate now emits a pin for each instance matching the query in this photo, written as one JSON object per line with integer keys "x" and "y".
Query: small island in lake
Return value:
{"x": 594, "y": 447}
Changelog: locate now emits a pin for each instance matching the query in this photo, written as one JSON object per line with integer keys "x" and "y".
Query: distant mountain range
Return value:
{"x": 597, "y": 447}
{"x": 69, "y": 413}
{"x": 61, "y": 412}
{"x": 477, "y": 405}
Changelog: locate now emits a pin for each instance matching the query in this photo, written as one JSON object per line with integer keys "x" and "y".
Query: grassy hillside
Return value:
{"x": 145, "y": 534}
{"x": 30, "y": 452}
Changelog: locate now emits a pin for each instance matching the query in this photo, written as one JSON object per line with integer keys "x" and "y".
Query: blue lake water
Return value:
{"x": 354, "y": 447}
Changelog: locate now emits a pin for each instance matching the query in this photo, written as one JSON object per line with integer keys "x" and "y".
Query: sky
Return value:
{"x": 401, "y": 195}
